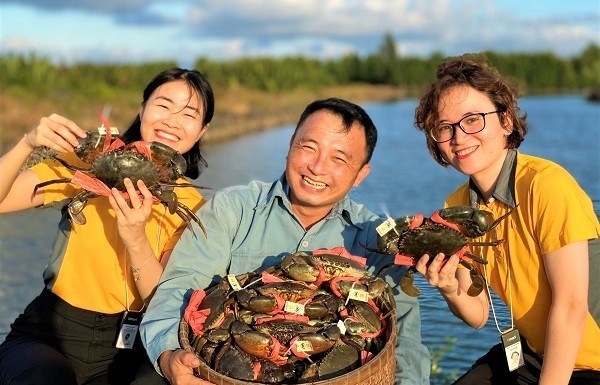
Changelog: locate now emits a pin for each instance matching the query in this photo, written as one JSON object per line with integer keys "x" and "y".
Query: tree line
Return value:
{"x": 31, "y": 76}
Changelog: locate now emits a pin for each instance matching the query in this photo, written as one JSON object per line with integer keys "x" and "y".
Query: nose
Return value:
{"x": 171, "y": 119}
{"x": 458, "y": 134}
{"x": 317, "y": 165}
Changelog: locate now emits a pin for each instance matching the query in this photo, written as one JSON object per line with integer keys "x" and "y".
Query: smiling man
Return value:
{"x": 251, "y": 227}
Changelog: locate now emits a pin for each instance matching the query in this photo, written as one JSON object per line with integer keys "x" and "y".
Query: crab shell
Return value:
{"x": 431, "y": 238}
{"x": 167, "y": 165}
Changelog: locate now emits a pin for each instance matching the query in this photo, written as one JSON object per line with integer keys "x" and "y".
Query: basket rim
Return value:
{"x": 209, "y": 374}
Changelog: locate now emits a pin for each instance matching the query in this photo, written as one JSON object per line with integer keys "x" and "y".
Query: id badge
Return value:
{"x": 511, "y": 341}
{"x": 130, "y": 324}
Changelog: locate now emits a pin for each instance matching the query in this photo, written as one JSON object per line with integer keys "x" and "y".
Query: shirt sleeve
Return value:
{"x": 52, "y": 170}
{"x": 567, "y": 205}
{"x": 195, "y": 262}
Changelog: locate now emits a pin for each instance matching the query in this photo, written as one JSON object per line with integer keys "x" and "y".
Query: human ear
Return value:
{"x": 362, "y": 174}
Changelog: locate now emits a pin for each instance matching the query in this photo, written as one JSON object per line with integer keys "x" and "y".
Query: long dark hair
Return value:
{"x": 197, "y": 82}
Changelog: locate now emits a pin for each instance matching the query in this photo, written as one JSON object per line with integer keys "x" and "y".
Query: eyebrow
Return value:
{"x": 197, "y": 110}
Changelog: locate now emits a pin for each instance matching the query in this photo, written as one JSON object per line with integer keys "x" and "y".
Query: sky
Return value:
{"x": 132, "y": 31}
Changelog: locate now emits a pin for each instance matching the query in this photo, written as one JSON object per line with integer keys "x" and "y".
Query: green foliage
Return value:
{"x": 438, "y": 376}
{"x": 41, "y": 78}
{"x": 539, "y": 72}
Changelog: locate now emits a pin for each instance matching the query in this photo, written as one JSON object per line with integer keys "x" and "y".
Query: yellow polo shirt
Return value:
{"x": 89, "y": 267}
{"x": 552, "y": 211}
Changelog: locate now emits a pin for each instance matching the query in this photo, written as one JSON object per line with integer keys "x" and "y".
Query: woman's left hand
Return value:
{"x": 132, "y": 215}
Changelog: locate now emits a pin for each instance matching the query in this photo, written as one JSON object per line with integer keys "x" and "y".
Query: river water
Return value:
{"x": 404, "y": 180}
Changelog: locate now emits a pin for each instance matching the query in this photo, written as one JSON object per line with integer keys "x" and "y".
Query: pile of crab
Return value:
{"x": 315, "y": 316}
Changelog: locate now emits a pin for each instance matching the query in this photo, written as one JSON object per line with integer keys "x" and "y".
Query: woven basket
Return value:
{"x": 381, "y": 370}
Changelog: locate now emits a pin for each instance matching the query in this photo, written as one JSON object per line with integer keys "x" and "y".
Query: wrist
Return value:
{"x": 136, "y": 269}
{"x": 28, "y": 142}
{"x": 163, "y": 363}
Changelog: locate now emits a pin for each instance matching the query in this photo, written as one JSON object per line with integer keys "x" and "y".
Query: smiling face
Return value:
{"x": 478, "y": 155}
{"x": 324, "y": 162}
{"x": 173, "y": 115}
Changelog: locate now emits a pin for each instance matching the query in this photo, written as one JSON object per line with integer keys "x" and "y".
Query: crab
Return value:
{"x": 111, "y": 161}
{"x": 337, "y": 361}
{"x": 322, "y": 266}
{"x": 447, "y": 231}
{"x": 271, "y": 328}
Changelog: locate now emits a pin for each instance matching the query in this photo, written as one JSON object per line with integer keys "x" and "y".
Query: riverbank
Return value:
{"x": 238, "y": 111}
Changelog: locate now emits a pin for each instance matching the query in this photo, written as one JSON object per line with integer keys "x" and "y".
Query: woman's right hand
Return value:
{"x": 16, "y": 187}
{"x": 56, "y": 132}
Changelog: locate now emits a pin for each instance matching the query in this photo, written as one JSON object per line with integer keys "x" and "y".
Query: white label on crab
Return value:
{"x": 385, "y": 227}
{"x": 233, "y": 282}
{"x": 358, "y": 295}
{"x": 303, "y": 346}
{"x": 342, "y": 326}
{"x": 294, "y": 307}
{"x": 113, "y": 130}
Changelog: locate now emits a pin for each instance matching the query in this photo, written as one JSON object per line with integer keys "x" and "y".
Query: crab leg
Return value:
{"x": 477, "y": 281}
{"x": 188, "y": 215}
{"x": 49, "y": 182}
{"x": 407, "y": 283}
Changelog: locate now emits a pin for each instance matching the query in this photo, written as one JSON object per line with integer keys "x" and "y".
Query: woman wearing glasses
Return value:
{"x": 541, "y": 269}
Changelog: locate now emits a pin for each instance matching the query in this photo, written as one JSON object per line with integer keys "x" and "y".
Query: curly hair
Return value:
{"x": 471, "y": 71}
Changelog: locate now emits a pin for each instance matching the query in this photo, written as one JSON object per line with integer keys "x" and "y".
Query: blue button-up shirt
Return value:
{"x": 251, "y": 228}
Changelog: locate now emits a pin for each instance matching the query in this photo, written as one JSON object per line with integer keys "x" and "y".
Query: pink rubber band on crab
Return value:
{"x": 295, "y": 351}
{"x": 366, "y": 356}
{"x": 436, "y": 217}
{"x": 334, "y": 281}
{"x": 404, "y": 260}
{"x": 320, "y": 277}
{"x": 416, "y": 221}
{"x": 283, "y": 316}
{"x": 280, "y": 304}
{"x": 91, "y": 184}
{"x": 100, "y": 188}
{"x": 274, "y": 357}
{"x": 143, "y": 148}
{"x": 270, "y": 278}
{"x": 256, "y": 366}
{"x": 195, "y": 318}
{"x": 342, "y": 252}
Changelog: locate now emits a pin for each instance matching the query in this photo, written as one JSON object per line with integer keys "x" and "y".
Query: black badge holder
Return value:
{"x": 511, "y": 341}
{"x": 130, "y": 324}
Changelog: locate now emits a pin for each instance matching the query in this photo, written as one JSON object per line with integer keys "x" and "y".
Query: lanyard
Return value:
{"x": 510, "y": 312}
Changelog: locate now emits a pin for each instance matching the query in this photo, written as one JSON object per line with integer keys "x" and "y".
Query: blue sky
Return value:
{"x": 68, "y": 31}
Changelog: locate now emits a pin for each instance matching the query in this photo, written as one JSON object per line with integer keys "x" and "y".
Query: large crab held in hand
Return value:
{"x": 447, "y": 231}
{"x": 111, "y": 161}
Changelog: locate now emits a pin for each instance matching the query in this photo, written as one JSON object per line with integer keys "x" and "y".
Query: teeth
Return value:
{"x": 465, "y": 151}
{"x": 168, "y": 136}
{"x": 314, "y": 183}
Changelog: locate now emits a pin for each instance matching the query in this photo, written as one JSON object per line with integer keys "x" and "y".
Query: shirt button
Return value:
{"x": 304, "y": 244}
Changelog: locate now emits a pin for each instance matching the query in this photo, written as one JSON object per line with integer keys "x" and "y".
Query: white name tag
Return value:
{"x": 385, "y": 227}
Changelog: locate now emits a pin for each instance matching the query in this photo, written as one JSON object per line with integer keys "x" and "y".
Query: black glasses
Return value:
{"x": 470, "y": 124}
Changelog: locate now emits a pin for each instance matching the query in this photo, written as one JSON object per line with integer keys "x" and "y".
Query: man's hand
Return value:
{"x": 178, "y": 367}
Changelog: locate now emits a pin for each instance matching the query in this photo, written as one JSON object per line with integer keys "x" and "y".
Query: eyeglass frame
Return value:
{"x": 453, "y": 125}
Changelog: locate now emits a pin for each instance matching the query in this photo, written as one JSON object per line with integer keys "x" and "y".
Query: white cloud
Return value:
{"x": 186, "y": 29}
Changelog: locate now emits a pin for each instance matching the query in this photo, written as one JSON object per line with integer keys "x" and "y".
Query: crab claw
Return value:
{"x": 407, "y": 283}
{"x": 477, "y": 284}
